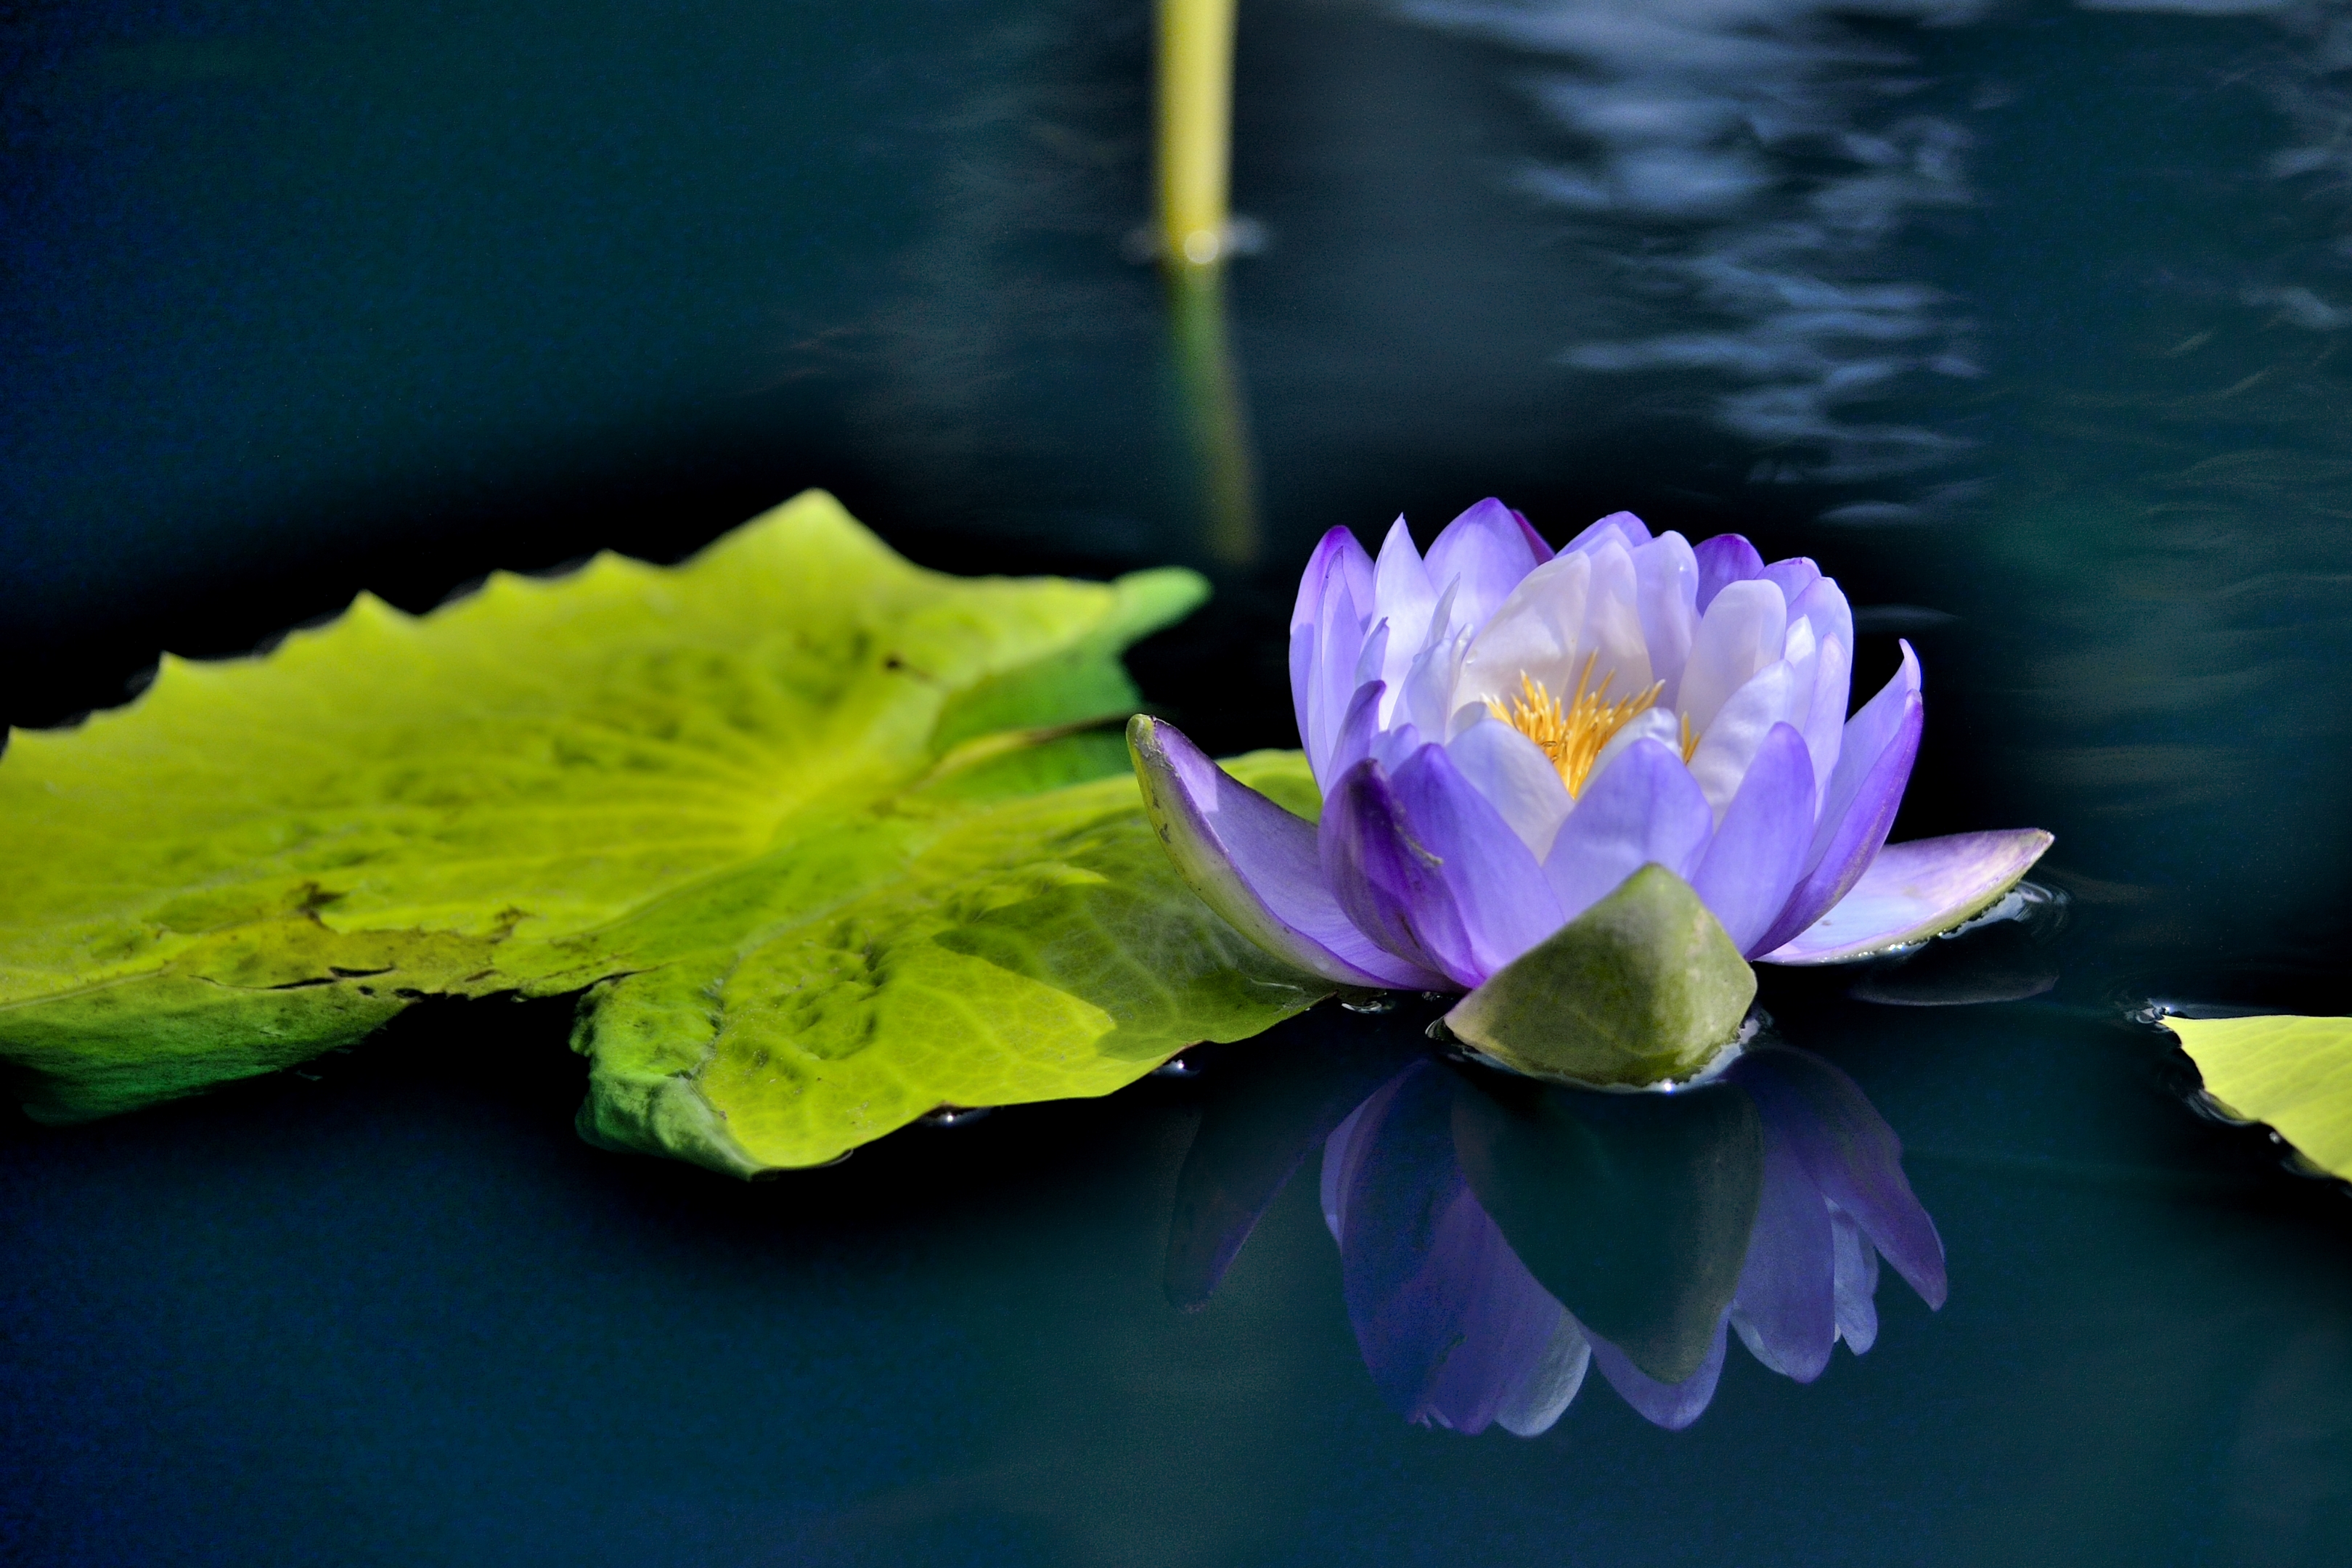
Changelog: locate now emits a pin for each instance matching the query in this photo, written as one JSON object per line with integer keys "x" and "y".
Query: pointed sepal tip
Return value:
{"x": 1643, "y": 988}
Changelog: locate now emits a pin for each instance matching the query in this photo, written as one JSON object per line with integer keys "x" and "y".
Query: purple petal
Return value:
{"x": 1858, "y": 808}
{"x": 1337, "y": 571}
{"x": 1345, "y": 1151}
{"x": 1390, "y": 886}
{"x": 1395, "y": 747}
{"x": 1449, "y": 1323}
{"x": 1370, "y": 657}
{"x": 1513, "y": 774}
{"x": 1641, "y": 808}
{"x": 1253, "y": 863}
{"x": 1824, "y": 607}
{"x": 1398, "y": 579}
{"x": 1335, "y": 657}
{"x": 1272, "y": 1111}
{"x": 1673, "y": 1405}
{"x": 1786, "y": 1309}
{"x": 1536, "y": 545}
{"x": 1760, "y": 848}
{"x": 1724, "y": 560}
{"x": 1389, "y": 1173}
{"x": 1494, "y": 1322}
{"x": 1358, "y": 729}
{"x": 1850, "y": 1154}
{"x": 1824, "y": 604}
{"x": 1339, "y": 560}
{"x": 1856, "y": 1286}
{"x": 1793, "y": 576}
{"x": 1913, "y": 891}
{"x": 1506, "y": 907}
{"x": 1868, "y": 733}
{"x": 1402, "y": 599}
{"x": 1486, "y": 550}
{"x": 1623, "y": 526}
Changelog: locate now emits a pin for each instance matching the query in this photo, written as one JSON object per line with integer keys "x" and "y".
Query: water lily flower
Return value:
{"x": 1459, "y": 1331}
{"x": 1503, "y": 734}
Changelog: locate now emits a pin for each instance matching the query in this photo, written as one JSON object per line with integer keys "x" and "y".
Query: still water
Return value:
{"x": 2024, "y": 320}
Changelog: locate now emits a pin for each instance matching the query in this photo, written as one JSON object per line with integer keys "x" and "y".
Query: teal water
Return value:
{"x": 2023, "y": 321}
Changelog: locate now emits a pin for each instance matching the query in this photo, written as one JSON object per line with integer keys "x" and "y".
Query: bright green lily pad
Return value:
{"x": 1041, "y": 948}
{"x": 2294, "y": 1074}
{"x": 721, "y": 788}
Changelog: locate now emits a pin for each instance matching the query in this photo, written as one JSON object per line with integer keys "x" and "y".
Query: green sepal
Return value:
{"x": 1645, "y": 987}
{"x": 1665, "y": 1189}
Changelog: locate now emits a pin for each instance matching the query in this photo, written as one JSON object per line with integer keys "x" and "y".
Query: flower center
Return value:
{"x": 1571, "y": 733}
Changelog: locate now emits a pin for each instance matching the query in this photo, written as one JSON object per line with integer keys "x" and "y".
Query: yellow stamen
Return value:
{"x": 1572, "y": 733}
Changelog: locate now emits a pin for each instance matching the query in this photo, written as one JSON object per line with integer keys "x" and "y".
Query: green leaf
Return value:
{"x": 795, "y": 795}
{"x": 1042, "y": 948}
{"x": 2294, "y": 1074}
{"x": 1642, "y": 988}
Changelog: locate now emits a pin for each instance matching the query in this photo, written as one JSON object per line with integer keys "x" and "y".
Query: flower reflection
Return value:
{"x": 1499, "y": 1241}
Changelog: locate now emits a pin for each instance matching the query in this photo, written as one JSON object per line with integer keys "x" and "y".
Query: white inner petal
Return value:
{"x": 1533, "y": 634}
{"x": 1824, "y": 724}
{"x": 1426, "y": 696}
{"x": 1740, "y": 728}
{"x": 1802, "y": 649}
{"x": 1740, "y": 634}
{"x": 1611, "y": 633}
{"x": 1667, "y": 573}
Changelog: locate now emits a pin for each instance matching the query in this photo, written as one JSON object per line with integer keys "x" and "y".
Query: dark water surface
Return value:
{"x": 2024, "y": 321}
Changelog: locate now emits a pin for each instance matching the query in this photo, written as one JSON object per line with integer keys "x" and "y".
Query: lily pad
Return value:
{"x": 916, "y": 956}
{"x": 796, "y": 795}
{"x": 2295, "y": 1074}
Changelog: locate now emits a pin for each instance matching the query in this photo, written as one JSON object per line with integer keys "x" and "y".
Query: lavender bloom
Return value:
{"x": 1459, "y": 1331}
{"x": 1503, "y": 735}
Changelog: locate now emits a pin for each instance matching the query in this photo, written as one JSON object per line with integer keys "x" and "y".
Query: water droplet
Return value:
{"x": 955, "y": 1115}
{"x": 1176, "y": 1067}
{"x": 2162, "y": 1007}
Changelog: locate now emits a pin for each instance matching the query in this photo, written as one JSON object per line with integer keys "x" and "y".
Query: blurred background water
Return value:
{"x": 2024, "y": 320}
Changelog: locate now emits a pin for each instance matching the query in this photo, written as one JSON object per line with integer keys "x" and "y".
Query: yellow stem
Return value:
{"x": 1196, "y": 112}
